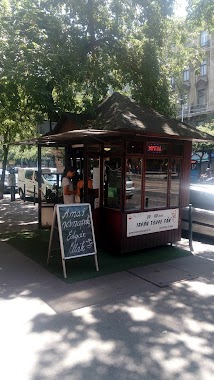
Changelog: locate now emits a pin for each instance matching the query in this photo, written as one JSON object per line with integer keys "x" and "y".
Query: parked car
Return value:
{"x": 130, "y": 189}
{"x": 7, "y": 182}
{"x": 28, "y": 183}
{"x": 202, "y": 195}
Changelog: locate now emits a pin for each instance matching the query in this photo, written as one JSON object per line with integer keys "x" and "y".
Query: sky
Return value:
{"x": 180, "y": 6}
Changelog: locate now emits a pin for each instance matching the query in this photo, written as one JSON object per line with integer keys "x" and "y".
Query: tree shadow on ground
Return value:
{"x": 163, "y": 335}
{"x": 18, "y": 215}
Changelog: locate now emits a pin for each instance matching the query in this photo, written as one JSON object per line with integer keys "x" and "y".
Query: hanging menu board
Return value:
{"x": 76, "y": 232}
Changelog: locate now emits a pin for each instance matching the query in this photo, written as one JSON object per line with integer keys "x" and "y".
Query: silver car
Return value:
{"x": 130, "y": 189}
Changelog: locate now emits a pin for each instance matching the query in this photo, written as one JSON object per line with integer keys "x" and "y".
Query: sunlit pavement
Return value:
{"x": 17, "y": 215}
{"x": 118, "y": 326}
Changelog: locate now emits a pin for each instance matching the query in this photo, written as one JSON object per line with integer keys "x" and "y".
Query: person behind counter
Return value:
{"x": 80, "y": 188}
{"x": 67, "y": 186}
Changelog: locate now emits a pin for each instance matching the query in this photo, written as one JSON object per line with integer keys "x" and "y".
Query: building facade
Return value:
{"x": 197, "y": 105}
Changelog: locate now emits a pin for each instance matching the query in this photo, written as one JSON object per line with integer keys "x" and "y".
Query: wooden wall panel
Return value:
{"x": 140, "y": 242}
{"x": 150, "y": 240}
{"x": 111, "y": 227}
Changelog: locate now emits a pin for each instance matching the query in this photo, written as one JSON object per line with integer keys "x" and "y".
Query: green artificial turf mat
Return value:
{"x": 34, "y": 245}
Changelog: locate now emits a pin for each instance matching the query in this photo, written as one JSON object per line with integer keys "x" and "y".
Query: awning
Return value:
{"x": 99, "y": 135}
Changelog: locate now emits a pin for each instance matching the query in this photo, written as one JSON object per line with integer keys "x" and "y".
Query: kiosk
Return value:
{"x": 139, "y": 162}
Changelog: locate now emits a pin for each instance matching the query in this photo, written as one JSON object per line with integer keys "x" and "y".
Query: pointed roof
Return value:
{"x": 120, "y": 114}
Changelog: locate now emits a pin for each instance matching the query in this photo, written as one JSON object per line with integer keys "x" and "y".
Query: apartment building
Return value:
{"x": 198, "y": 85}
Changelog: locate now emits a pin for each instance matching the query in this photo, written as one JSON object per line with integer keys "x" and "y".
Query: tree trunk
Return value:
{"x": 4, "y": 165}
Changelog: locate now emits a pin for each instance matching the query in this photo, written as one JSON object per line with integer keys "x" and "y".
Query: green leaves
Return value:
{"x": 205, "y": 147}
{"x": 201, "y": 13}
{"x": 65, "y": 55}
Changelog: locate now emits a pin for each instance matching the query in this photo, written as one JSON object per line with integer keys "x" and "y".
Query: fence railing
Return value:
{"x": 188, "y": 111}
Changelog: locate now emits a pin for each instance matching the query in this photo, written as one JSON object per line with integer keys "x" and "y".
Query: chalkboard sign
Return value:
{"x": 76, "y": 232}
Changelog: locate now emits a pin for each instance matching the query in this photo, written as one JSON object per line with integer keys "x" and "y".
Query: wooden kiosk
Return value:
{"x": 139, "y": 162}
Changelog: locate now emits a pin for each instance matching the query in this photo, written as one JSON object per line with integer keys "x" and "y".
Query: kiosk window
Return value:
{"x": 135, "y": 147}
{"x": 95, "y": 177}
{"x": 177, "y": 149}
{"x": 94, "y": 148}
{"x": 112, "y": 181}
{"x": 156, "y": 183}
{"x": 112, "y": 148}
{"x": 133, "y": 183}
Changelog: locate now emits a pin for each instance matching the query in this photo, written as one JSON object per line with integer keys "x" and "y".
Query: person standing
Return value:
{"x": 67, "y": 186}
{"x": 79, "y": 196}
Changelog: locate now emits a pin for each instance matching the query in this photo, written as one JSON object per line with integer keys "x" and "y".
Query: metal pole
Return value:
{"x": 34, "y": 195}
{"x": 12, "y": 193}
{"x": 182, "y": 110}
{"x": 190, "y": 228}
{"x": 39, "y": 186}
{"x": 86, "y": 168}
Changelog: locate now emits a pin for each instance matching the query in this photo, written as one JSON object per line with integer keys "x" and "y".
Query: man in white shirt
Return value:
{"x": 67, "y": 186}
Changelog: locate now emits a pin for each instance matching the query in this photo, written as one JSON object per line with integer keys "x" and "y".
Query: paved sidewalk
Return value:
{"x": 148, "y": 323}
{"x": 119, "y": 326}
{"x": 17, "y": 215}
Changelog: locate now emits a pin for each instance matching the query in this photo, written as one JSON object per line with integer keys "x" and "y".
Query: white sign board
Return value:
{"x": 153, "y": 221}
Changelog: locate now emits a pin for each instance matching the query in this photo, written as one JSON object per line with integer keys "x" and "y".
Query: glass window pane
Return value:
{"x": 135, "y": 147}
{"x": 29, "y": 174}
{"x": 95, "y": 148}
{"x": 110, "y": 148}
{"x": 177, "y": 149}
{"x": 175, "y": 183}
{"x": 95, "y": 177}
{"x": 203, "y": 68}
{"x": 186, "y": 75}
{"x": 156, "y": 183}
{"x": 112, "y": 182}
{"x": 204, "y": 38}
{"x": 133, "y": 183}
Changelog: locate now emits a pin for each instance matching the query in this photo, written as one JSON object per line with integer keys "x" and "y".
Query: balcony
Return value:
{"x": 189, "y": 111}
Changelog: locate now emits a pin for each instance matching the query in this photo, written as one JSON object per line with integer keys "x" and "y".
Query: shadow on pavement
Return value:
{"x": 161, "y": 335}
{"x": 17, "y": 215}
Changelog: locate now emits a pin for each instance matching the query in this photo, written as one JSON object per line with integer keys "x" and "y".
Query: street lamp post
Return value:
{"x": 182, "y": 110}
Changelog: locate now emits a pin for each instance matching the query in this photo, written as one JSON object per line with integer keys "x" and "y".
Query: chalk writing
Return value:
{"x": 77, "y": 248}
{"x": 76, "y": 227}
{"x": 75, "y": 232}
{"x": 76, "y": 223}
{"x": 75, "y": 236}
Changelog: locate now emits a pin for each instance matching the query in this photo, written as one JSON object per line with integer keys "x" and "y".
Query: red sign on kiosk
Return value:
{"x": 157, "y": 148}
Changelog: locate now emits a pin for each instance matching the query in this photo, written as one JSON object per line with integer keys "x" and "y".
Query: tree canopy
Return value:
{"x": 201, "y": 13}
{"x": 67, "y": 54}
{"x": 60, "y": 55}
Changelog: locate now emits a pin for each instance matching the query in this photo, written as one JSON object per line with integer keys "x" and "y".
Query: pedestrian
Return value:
{"x": 80, "y": 192}
{"x": 68, "y": 186}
